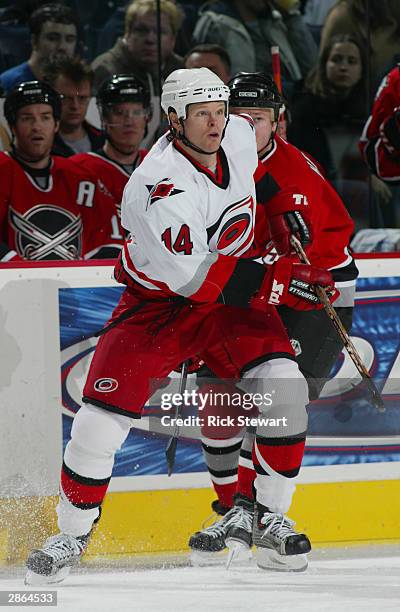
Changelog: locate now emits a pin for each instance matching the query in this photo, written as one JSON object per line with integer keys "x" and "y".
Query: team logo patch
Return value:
{"x": 106, "y": 385}
{"x": 163, "y": 189}
{"x": 47, "y": 232}
{"x": 232, "y": 234}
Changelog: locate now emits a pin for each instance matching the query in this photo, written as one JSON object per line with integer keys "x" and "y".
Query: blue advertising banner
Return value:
{"x": 344, "y": 428}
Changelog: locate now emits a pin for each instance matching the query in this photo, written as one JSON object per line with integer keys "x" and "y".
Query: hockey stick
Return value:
{"x": 276, "y": 67}
{"x": 170, "y": 451}
{"x": 344, "y": 336}
{"x": 277, "y": 75}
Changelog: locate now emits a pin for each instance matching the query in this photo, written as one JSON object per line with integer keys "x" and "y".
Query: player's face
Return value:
{"x": 125, "y": 124}
{"x": 75, "y": 100}
{"x": 204, "y": 125}
{"x": 142, "y": 39}
{"x": 34, "y": 131}
{"x": 343, "y": 66}
{"x": 55, "y": 40}
{"x": 208, "y": 60}
{"x": 264, "y": 123}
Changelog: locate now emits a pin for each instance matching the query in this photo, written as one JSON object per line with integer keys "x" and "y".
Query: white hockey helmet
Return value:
{"x": 190, "y": 86}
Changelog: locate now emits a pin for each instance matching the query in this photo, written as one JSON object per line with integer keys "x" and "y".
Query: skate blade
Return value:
{"x": 238, "y": 551}
{"x": 199, "y": 558}
{"x": 33, "y": 579}
{"x": 268, "y": 559}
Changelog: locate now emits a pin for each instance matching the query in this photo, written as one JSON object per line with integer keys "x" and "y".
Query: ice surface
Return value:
{"x": 357, "y": 582}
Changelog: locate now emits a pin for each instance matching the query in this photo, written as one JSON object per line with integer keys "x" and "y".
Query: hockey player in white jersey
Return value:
{"x": 190, "y": 208}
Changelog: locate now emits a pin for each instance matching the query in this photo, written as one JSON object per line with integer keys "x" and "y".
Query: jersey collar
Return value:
{"x": 269, "y": 153}
{"x": 221, "y": 176}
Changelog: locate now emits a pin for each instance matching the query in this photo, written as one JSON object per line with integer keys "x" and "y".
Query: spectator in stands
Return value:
{"x": 210, "y": 56}
{"x": 332, "y": 104}
{"x": 124, "y": 107}
{"x": 49, "y": 207}
{"x": 380, "y": 141}
{"x": 4, "y": 135}
{"x": 72, "y": 78}
{"x": 248, "y": 28}
{"x": 328, "y": 116}
{"x": 315, "y": 12}
{"x": 137, "y": 52}
{"x": 350, "y": 17}
{"x": 93, "y": 15}
{"x": 5, "y": 141}
{"x": 54, "y": 34}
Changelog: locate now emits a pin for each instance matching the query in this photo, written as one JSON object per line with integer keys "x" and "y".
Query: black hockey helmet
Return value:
{"x": 122, "y": 88}
{"x": 31, "y": 92}
{"x": 255, "y": 89}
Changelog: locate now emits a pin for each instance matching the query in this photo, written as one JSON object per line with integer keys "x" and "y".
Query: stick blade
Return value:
{"x": 378, "y": 401}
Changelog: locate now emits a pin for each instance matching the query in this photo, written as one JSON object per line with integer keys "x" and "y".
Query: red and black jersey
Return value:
{"x": 114, "y": 175}
{"x": 286, "y": 179}
{"x": 58, "y": 213}
{"x": 381, "y": 156}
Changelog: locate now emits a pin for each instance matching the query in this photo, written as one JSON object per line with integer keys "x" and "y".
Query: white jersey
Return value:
{"x": 188, "y": 226}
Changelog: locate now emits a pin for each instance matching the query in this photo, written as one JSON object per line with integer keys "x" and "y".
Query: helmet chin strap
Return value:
{"x": 182, "y": 137}
{"x": 268, "y": 146}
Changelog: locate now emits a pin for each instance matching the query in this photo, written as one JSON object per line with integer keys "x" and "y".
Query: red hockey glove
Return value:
{"x": 292, "y": 284}
{"x": 283, "y": 226}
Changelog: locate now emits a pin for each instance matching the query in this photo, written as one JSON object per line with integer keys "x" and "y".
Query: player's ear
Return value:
{"x": 174, "y": 121}
{"x": 56, "y": 126}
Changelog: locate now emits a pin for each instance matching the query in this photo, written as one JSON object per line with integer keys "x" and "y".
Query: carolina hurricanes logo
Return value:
{"x": 163, "y": 189}
{"x": 106, "y": 385}
{"x": 47, "y": 232}
{"x": 233, "y": 233}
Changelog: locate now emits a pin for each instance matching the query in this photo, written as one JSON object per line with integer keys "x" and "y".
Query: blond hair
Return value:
{"x": 139, "y": 8}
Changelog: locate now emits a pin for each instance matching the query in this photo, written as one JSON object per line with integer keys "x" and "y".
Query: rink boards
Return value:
{"x": 48, "y": 315}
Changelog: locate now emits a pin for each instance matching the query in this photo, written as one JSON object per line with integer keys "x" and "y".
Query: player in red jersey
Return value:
{"x": 125, "y": 110}
{"x": 380, "y": 140}
{"x": 284, "y": 176}
{"x": 190, "y": 210}
{"x": 49, "y": 208}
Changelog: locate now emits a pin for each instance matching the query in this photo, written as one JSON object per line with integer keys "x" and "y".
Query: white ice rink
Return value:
{"x": 359, "y": 582}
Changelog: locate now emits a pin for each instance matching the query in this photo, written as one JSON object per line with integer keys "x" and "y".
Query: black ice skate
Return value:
{"x": 237, "y": 521}
{"x": 279, "y": 546}
{"x": 53, "y": 562}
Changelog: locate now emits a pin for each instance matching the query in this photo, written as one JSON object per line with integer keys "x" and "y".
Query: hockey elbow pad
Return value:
{"x": 293, "y": 284}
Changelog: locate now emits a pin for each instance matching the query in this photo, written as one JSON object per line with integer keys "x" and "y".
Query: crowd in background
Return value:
{"x": 338, "y": 63}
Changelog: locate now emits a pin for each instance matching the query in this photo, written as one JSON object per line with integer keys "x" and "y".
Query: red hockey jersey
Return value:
{"x": 287, "y": 179}
{"x": 63, "y": 215}
{"x": 113, "y": 175}
{"x": 379, "y": 153}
